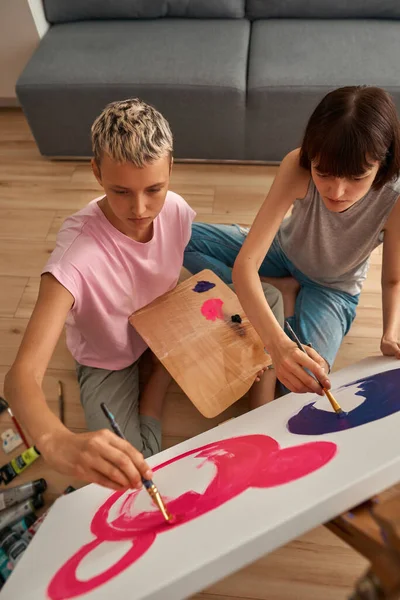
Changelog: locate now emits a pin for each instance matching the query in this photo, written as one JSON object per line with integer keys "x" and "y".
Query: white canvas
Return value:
{"x": 189, "y": 557}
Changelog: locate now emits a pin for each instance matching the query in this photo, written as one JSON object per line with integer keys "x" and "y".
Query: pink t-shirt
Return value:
{"x": 111, "y": 276}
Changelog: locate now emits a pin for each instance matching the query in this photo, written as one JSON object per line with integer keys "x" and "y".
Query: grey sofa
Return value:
{"x": 237, "y": 79}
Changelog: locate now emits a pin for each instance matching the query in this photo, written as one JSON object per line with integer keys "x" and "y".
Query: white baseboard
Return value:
{"x": 9, "y": 102}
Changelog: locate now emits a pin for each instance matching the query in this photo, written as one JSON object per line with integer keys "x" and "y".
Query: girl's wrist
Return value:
{"x": 276, "y": 341}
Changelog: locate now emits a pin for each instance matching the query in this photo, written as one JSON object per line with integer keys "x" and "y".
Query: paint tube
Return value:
{"x": 32, "y": 529}
{"x": 6, "y": 566}
{"x": 12, "y": 544}
{"x": 18, "y": 464}
{"x": 15, "y": 513}
{"x": 21, "y": 492}
{"x": 28, "y": 535}
{"x": 22, "y": 526}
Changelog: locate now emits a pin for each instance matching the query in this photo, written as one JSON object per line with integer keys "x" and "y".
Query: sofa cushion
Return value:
{"x": 63, "y": 11}
{"x": 323, "y": 9}
{"x": 294, "y": 63}
{"x": 193, "y": 71}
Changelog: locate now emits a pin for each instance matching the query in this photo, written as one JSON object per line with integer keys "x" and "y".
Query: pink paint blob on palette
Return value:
{"x": 240, "y": 463}
{"x": 212, "y": 309}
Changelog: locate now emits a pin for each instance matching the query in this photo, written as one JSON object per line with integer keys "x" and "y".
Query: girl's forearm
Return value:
{"x": 391, "y": 310}
{"x": 250, "y": 293}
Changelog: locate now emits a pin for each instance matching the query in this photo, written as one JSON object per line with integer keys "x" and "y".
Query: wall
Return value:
{"x": 22, "y": 24}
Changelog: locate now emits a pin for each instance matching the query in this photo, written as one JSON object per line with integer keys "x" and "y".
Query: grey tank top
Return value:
{"x": 331, "y": 248}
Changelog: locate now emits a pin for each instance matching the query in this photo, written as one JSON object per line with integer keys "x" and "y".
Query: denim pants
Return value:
{"x": 322, "y": 316}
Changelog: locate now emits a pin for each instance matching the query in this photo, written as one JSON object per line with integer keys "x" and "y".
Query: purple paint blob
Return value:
{"x": 203, "y": 286}
{"x": 382, "y": 398}
{"x": 342, "y": 415}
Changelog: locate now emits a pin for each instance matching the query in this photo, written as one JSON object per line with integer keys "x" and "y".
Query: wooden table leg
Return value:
{"x": 373, "y": 529}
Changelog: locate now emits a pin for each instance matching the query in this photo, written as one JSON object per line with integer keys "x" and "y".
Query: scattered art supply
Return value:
{"x": 21, "y": 527}
{"x": 11, "y": 440}
{"x": 236, "y": 319}
{"x": 18, "y": 428}
{"x": 18, "y": 464}
{"x": 6, "y": 566}
{"x": 212, "y": 309}
{"x": 203, "y": 286}
{"x": 4, "y": 406}
{"x": 336, "y": 407}
{"x": 214, "y": 362}
{"x": 21, "y": 492}
{"x": 381, "y": 393}
{"x": 61, "y": 401}
{"x": 259, "y": 457}
{"x": 148, "y": 484}
{"x": 13, "y": 514}
{"x": 12, "y": 544}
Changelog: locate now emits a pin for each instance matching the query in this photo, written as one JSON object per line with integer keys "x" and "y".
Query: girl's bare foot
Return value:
{"x": 289, "y": 288}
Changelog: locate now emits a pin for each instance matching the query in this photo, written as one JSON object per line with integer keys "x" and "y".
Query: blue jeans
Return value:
{"x": 322, "y": 316}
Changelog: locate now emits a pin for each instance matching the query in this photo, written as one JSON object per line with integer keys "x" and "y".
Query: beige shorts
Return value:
{"x": 120, "y": 392}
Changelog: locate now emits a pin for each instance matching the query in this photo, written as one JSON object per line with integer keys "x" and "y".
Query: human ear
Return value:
{"x": 96, "y": 170}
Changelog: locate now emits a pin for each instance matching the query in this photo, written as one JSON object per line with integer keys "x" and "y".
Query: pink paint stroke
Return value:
{"x": 212, "y": 309}
{"x": 251, "y": 461}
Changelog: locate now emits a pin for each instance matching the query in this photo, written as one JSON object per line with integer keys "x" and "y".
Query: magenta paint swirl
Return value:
{"x": 251, "y": 461}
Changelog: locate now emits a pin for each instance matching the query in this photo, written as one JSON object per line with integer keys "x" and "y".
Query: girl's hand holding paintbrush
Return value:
{"x": 95, "y": 457}
{"x": 290, "y": 364}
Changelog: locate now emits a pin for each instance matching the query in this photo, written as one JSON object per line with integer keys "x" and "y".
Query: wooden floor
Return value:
{"x": 35, "y": 196}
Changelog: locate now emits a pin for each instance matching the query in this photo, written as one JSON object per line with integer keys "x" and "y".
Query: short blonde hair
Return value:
{"x": 131, "y": 131}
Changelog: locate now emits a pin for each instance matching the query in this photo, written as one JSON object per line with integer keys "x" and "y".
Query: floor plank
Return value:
{"x": 23, "y": 258}
{"x": 28, "y": 299}
{"x": 25, "y": 224}
{"x": 46, "y": 196}
{"x": 11, "y": 291}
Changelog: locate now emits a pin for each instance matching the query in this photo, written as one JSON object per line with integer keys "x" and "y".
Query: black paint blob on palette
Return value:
{"x": 236, "y": 319}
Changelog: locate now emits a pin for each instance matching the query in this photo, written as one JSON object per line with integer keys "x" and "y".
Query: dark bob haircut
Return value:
{"x": 350, "y": 126}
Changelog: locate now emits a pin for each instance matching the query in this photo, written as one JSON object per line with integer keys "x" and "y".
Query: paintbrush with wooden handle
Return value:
{"x": 148, "y": 483}
{"x": 336, "y": 407}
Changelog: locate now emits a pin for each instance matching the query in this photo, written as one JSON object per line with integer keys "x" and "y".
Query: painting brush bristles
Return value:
{"x": 155, "y": 496}
{"x": 335, "y": 405}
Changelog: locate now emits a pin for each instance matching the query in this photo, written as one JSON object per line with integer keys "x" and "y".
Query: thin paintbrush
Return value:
{"x": 336, "y": 407}
{"x": 5, "y": 406}
{"x": 148, "y": 483}
{"x": 61, "y": 401}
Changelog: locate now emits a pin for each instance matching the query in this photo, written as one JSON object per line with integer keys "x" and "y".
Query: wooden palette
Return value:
{"x": 214, "y": 361}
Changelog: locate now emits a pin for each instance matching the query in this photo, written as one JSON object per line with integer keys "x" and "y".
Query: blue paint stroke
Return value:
{"x": 382, "y": 398}
{"x": 203, "y": 286}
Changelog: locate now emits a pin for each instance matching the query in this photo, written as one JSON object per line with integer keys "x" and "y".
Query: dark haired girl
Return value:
{"x": 342, "y": 184}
